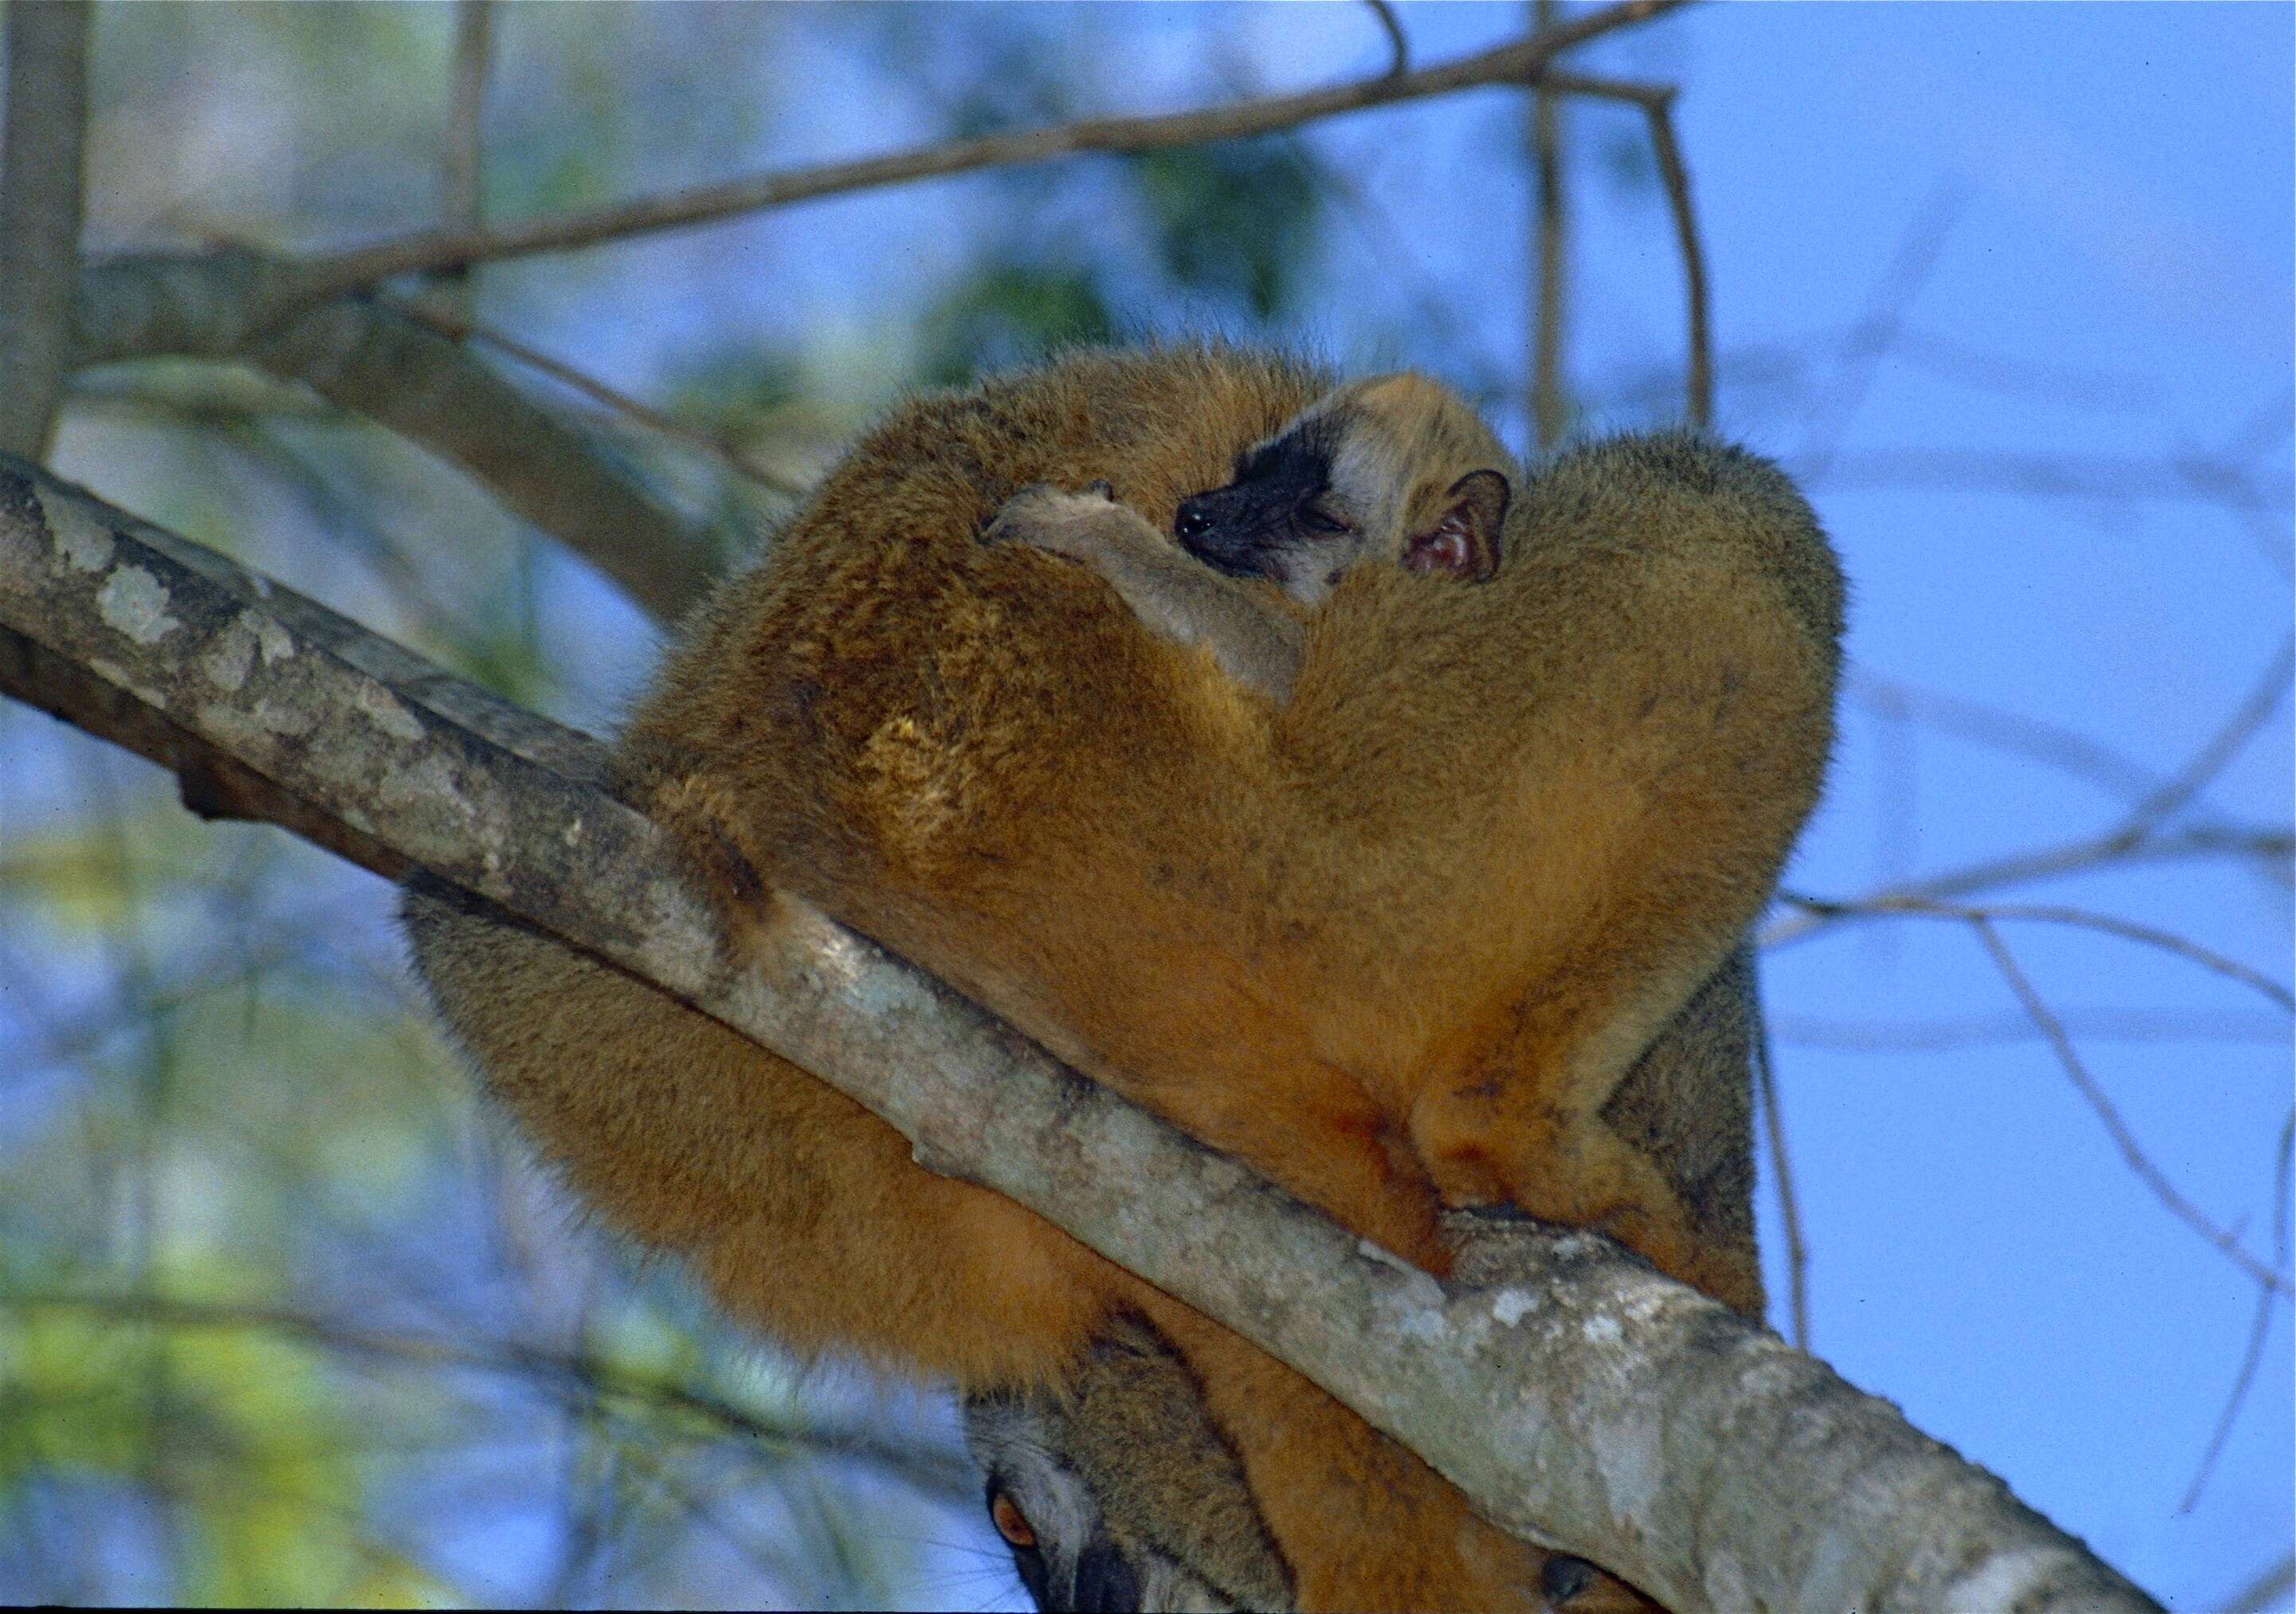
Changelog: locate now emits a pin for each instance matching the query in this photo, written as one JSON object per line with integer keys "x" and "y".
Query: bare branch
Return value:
{"x": 1806, "y": 1494}
{"x": 1399, "y": 48}
{"x": 231, "y": 304}
{"x": 1549, "y": 406}
{"x": 2089, "y": 1025}
{"x": 2003, "y": 730}
{"x": 2066, "y": 476}
{"x": 2123, "y": 1139}
{"x": 2271, "y": 845}
{"x": 461, "y": 153}
{"x": 1774, "y": 1130}
{"x": 2084, "y": 919}
{"x": 1517, "y": 62}
{"x": 2266, "y": 1590}
{"x": 1858, "y": 357}
{"x": 2263, "y": 698}
{"x": 1698, "y": 384}
{"x": 2260, "y": 1327}
{"x": 40, "y": 193}
{"x": 431, "y": 391}
{"x": 459, "y": 328}
{"x": 1657, "y": 102}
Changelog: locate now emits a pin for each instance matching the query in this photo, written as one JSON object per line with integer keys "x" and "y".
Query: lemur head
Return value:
{"x": 1117, "y": 1493}
{"x": 1397, "y": 468}
{"x": 1114, "y": 1491}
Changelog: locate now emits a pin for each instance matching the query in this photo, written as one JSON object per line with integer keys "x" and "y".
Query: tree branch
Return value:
{"x": 2116, "y": 848}
{"x": 461, "y": 153}
{"x": 1549, "y": 405}
{"x": 1657, "y": 102}
{"x": 287, "y": 315}
{"x": 1519, "y": 62}
{"x": 2095, "y": 1096}
{"x": 1601, "y": 1409}
{"x": 40, "y": 184}
{"x": 233, "y": 304}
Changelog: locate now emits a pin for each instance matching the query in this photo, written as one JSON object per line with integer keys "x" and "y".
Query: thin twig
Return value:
{"x": 1549, "y": 408}
{"x": 1773, "y": 1127}
{"x": 2090, "y": 1025}
{"x": 461, "y": 204}
{"x": 1657, "y": 102}
{"x": 1519, "y": 62}
{"x": 2266, "y": 1591}
{"x": 2263, "y": 698}
{"x": 2066, "y": 476}
{"x": 2070, "y": 858}
{"x": 2085, "y": 919}
{"x": 449, "y": 324}
{"x": 1860, "y": 354}
{"x": 1399, "y": 48}
{"x": 41, "y": 157}
{"x": 2258, "y": 1329}
{"x": 1698, "y": 384}
{"x": 2123, "y": 1139}
{"x": 2003, "y": 730}
{"x": 373, "y": 362}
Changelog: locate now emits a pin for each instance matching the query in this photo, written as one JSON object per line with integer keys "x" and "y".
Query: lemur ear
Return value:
{"x": 1464, "y": 539}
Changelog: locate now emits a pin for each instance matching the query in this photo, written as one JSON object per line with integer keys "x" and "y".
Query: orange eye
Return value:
{"x": 1011, "y": 1522}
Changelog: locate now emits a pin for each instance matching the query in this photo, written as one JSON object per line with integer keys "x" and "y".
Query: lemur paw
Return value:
{"x": 1045, "y": 517}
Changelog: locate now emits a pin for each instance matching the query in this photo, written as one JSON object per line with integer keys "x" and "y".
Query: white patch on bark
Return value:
{"x": 383, "y": 710}
{"x": 2001, "y": 1578}
{"x": 1385, "y": 1256}
{"x": 249, "y": 731}
{"x": 133, "y": 601}
{"x": 1601, "y": 1331}
{"x": 231, "y": 658}
{"x": 1511, "y": 1306}
{"x": 428, "y": 782}
{"x": 275, "y": 641}
{"x": 80, "y": 538}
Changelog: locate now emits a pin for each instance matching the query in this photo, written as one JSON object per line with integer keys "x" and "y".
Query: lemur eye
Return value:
{"x": 1315, "y": 518}
{"x": 1011, "y": 1522}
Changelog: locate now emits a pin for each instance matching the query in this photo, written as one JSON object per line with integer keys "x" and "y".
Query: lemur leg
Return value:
{"x": 1641, "y": 1134}
{"x": 1171, "y": 591}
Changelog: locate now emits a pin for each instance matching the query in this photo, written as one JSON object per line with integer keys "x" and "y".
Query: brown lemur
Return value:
{"x": 1404, "y": 936}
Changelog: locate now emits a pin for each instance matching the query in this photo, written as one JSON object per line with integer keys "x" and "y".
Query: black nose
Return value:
{"x": 1106, "y": 1583}
{"x": 1192, "y": 522}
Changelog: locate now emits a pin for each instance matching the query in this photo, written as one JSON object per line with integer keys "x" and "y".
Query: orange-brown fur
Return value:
{"x": 1395, "y": 942}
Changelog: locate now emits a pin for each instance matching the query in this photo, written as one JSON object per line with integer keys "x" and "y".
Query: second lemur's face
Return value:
{"x": 1374, "y": 472}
